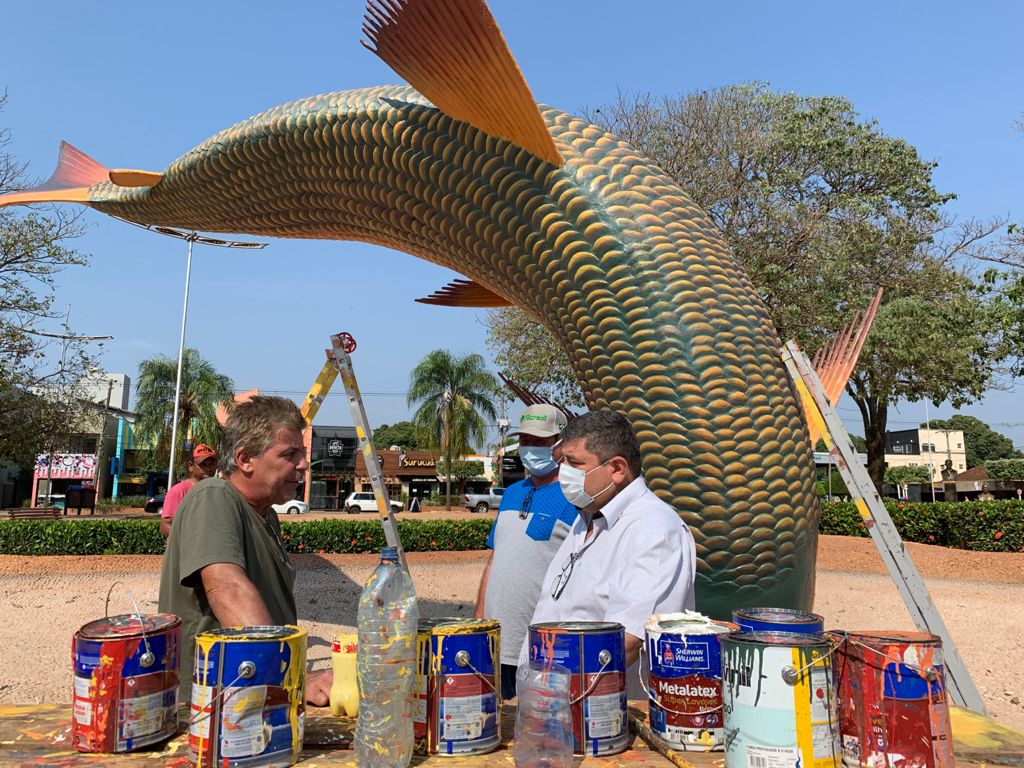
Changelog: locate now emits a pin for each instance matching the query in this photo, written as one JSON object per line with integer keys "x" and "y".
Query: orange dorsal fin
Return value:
{"x": 836, "y": 360}
{"x": 528, "y": 397}
{"x": 465, "y": 293}
{"x": 127, "y": 177}
{"x": 453, "y": 53}
{"x": 70, "y": 183}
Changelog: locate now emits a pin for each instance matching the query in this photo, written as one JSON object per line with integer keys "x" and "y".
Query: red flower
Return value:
{"x": 433, "y": 543}
{"x": 931, "y": 537}
{"x": 353, "y": 542}
{"x": 998, "y": 535}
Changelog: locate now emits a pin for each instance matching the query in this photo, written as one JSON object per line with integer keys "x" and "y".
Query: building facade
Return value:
{"x": 930, "y": 448}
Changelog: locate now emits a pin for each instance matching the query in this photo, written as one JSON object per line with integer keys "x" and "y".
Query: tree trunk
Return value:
{"x": 874, "y": 413}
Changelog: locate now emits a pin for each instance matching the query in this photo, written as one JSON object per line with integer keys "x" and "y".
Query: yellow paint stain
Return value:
{"x": 975, "y": 734}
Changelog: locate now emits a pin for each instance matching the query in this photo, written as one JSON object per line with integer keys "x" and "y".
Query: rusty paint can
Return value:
{"x": 125, "y": 682}
{"x": 594, "y": 652}
{"x": 778, "y": 620}
{"x": 248, "y": 697}
{"x": 685, "y": 656}
{"x": 892, "y": 699}
{"x": 779, "y": 701}
{"x": 456, "y": 708}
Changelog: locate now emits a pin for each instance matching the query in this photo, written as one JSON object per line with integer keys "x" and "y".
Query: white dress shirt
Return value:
{"x": 639, "y": 560}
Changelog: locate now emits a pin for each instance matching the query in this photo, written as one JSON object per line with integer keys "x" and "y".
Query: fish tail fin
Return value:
{"x": 70, "y": 183}
{"x": 76, "y": 173}
{"x": 836, "y": 360}
{"x": 453, "y": 52}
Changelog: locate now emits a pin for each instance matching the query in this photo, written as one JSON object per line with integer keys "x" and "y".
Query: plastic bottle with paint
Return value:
{"x": 386, "y": 665}
{"x": 544, "y": 717}
{"x": 344, "y": 690}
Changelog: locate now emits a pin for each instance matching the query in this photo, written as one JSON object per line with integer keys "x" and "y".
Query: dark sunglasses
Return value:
{"x": 525, "y": 511}
{"x": 563, "y": 578}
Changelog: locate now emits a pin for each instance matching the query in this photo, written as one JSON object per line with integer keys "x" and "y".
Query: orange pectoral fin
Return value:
{"x": 465, "y": 293}
{"x": 70, "y": 183}
{"x": 126, "y": 177}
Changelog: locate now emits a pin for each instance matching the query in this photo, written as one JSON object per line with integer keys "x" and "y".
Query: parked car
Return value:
{"x": 364, "y": 501}
{"x": 293, "y": 507}
{"x": 481, "y": 502}
{"x": 155, "y": 503}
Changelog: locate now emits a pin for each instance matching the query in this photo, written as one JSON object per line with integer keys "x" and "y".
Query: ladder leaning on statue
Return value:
{"x": 340, "y": 362}
{"x": 823, "y": 420}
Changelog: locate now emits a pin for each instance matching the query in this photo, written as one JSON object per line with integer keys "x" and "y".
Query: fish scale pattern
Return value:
{"x": 658, "y": 320}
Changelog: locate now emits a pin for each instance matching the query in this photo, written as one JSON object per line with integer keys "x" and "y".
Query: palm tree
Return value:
{"x": 454, "y": 394}
{"x": 201, "y": 389}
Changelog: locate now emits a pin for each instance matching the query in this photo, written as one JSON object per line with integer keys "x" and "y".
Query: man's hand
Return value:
{"x": 318, "y": 688}
{"x": 481, "y": 593}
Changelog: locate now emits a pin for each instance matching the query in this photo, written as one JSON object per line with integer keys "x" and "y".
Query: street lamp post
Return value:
{"x": 190, "y": 238}
{"x": 503, "y": 425}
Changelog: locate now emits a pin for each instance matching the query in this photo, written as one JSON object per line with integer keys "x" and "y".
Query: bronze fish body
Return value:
{"x": 659, "y": 321}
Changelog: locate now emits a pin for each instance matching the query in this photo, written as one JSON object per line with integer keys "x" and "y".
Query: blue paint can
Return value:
{"x": 778, "y": 620}
{"x": 594, "y": 652}
{"x": 248, "y": 697}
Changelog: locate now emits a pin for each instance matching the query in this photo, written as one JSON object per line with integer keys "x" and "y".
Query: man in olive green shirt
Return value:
{"x": 225, "y": 565}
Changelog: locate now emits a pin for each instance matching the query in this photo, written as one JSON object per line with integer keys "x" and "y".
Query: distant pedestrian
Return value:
{"x": 202, "y": 465}
{"x": 414, "y": 505}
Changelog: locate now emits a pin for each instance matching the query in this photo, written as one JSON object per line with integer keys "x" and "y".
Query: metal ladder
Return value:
{"x": 340, "y": 362}
{"x": 876, "y": 519}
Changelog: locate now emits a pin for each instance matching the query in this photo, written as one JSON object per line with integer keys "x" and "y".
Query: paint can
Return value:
{"x": 685, "y": 656}
{"x": 248, "y": 702}
{"x": 594, "y": 652}
{"x": 456, "y": 708}
{"x": 892, "y": 700}
{"x": 125, "y": 682}
{"x": 778, "y": 620}
{"x": 778, "y": 700}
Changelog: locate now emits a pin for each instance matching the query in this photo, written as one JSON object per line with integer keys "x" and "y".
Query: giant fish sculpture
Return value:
{"x": 548, "y": 212}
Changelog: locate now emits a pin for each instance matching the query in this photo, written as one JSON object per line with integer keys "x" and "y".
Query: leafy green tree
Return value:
{"x": 202, "y": 388}
{"x": 911, "y": 473}
{"x": 39, "y": 366}
{"x": 403, "y": 434}
{"x": 462, "y": 470}
{"x": 821, "y": 208}
{"x": 1005, "y": 469}
{"x": 981, "y": 442}
{"x": 455, "y": 404}
{"x": 837, "y": 486}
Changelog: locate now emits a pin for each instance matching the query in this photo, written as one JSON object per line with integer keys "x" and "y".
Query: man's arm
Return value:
{"x": 481, "y": 594}
{"x": 633, "y": 645}
{"x": 234, "y": 599}
{"x": 165, "y": 526}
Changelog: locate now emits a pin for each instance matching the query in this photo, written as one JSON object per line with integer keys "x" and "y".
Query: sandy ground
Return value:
{"x": 43, "y": 600}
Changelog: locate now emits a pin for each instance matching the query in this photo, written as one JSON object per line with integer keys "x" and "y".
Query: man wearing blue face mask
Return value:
{"x": 629, "y": 555}
{"x": 533, "y": 520}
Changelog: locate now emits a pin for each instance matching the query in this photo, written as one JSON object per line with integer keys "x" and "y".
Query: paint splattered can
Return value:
{"x": 778, "y": 620}
{"x": 892, "y": 699}
{"x": 456, "y": 709}
{"x": 595, "y": 654}
{"x": 685, "y": 656}
{"x": 248, "y": 697}
{"x": 125, "y": 682}
{"x": 778, "y": 700}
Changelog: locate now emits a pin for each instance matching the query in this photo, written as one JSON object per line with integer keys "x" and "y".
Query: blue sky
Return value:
{"x": 135, "y": 85}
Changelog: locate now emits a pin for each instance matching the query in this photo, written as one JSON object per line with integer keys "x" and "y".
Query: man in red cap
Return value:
{"x": 202, "y": 465}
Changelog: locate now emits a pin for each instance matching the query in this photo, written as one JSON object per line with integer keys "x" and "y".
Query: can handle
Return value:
{"x": 147, "y": 659}
{"x": 462, "y": 660}
{"x": 605, "y": 657}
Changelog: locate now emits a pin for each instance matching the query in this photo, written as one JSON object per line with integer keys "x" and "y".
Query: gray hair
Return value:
{"x": 253, "y": 425}
{"x": 606, "y": 434}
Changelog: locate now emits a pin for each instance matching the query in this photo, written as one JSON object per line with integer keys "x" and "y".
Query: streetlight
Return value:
{"x": 190, "y": 238}
{"x": 503, "y": 425}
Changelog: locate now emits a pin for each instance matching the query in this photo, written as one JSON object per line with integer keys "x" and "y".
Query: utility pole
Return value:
{"x": 931, "y": 451}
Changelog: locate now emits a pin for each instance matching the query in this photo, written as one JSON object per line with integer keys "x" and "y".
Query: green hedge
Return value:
{"x": 982, "y": 526}
{"x": 990, "y": 526}
{"x": 142, "y": 537}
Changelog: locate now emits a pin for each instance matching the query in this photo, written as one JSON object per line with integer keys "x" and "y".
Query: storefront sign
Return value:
{"x": 335, "y": 448}
{"x": 405, "y": 461}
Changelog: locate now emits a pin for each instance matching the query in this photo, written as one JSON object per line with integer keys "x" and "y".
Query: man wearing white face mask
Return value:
{"x": 629, "y": 554}
{"x": 533, "y": 520}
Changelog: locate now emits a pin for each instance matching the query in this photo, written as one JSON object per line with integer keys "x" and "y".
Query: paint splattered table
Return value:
{"x": 40, "y": 735}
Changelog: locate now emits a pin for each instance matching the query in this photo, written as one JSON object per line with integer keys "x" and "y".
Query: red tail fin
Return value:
{"x": 70, "y": 183}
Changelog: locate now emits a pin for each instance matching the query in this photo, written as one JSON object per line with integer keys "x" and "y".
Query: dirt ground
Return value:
{"x": 43, "y": 600}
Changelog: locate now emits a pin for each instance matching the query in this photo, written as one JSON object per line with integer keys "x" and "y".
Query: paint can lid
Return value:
{"x": 453, "y": 625}
{"x": 782, "y": 639}
{"x": 276, "y": 633}
{"x": 580, "y": 627}
{"x": 777, "y": 615}
{"x": 687, "y": 623}
{"x": 128, "y": 625}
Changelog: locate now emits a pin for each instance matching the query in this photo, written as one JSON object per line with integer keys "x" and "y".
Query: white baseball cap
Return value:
{"x": 541, "y": 420}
